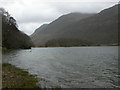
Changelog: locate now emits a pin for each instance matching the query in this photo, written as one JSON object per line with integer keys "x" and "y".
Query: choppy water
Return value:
{"x": 74, "y": 67}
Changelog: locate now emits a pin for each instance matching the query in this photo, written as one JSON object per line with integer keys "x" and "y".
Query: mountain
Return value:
{"x": 50, "y": 31}
{"x": 12, "y": 38}
{"x": 76, "y": 29}
{"x": 39, "y": 29}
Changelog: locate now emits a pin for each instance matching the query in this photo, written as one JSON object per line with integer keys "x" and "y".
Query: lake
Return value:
{"x": 70, "y": 67}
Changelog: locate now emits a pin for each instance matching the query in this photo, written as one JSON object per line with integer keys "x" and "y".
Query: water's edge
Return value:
{"x": 53, "y": 65}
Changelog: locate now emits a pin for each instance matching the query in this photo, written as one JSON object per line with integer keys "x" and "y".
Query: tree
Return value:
{"x": 7, "y": 18}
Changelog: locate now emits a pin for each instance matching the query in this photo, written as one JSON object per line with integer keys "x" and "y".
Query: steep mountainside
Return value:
{"x": 82, "y": 29}
{"x": 48, "y": 32}
{"x": 12, "y": 38}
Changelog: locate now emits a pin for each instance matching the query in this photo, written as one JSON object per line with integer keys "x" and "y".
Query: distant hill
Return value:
{"x": 76, "y": 29}
{"x": 12, "y": 38}
{"x": 50, "y": 31}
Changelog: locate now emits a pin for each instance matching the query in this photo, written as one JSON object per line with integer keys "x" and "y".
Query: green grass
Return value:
{"x": 13, "y": 77}
{"x": 5, "y": 50}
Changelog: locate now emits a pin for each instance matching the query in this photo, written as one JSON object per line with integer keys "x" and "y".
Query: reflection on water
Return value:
{"x": 81, "y": 67}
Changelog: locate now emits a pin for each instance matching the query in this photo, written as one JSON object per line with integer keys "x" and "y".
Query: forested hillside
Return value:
{"x": 12, "y": 37}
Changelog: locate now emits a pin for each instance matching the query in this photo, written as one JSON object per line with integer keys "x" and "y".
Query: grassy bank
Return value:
{"x": 13, "y": 77}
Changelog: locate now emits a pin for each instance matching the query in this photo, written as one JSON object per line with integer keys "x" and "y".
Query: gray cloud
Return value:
{"x": 30, "y": 14}
{"x": 84, "y": 7}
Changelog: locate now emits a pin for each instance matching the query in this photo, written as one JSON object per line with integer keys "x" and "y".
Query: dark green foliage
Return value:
{"x": 61, "y": 42}
{"x": 12, "y": 38}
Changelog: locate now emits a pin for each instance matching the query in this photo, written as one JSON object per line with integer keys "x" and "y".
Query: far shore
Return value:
{"x": 76, "y": 46}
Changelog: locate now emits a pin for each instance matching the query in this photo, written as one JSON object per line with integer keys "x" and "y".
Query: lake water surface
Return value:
{"x": 72, "y": 67}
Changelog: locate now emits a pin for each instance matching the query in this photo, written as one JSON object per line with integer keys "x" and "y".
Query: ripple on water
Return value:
{"x": 82, "y": 67}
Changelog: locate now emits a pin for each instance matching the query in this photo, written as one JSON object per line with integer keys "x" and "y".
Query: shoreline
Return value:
{"x": 13, "y": 77}
{"x": 80, "y": 46}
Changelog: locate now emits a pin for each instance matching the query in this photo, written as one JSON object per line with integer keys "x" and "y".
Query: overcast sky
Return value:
{"x": 31, "y": 14}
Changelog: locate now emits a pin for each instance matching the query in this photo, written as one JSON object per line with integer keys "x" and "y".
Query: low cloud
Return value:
{"x": 30, "y": 14}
